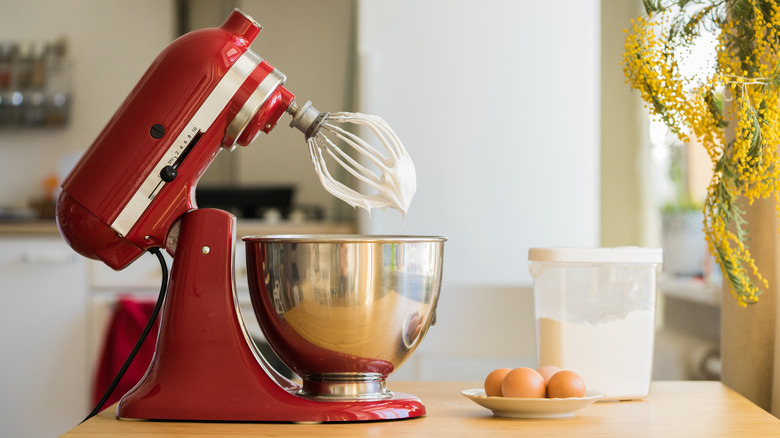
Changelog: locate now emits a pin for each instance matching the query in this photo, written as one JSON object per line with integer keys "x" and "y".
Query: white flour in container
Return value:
{"x": 614, "y": 357}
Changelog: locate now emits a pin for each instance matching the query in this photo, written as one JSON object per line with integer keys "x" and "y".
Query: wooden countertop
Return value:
{"x": 673, "y": 409}
{"x": 29, "y": 228}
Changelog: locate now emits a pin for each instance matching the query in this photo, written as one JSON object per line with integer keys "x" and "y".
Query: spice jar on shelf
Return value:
{"x": 34, "y": 84}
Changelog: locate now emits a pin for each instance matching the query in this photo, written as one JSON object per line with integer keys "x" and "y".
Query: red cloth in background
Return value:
{"x": 129, "y": 319}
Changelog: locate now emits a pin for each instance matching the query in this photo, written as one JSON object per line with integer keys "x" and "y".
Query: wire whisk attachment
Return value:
{"x": 388, "y": 173}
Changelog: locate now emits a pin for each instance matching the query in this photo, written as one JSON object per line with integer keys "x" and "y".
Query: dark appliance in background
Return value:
{"x": 247, "y": 202}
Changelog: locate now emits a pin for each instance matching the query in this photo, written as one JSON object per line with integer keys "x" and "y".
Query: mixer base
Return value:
{"x": 205, "y": 367}
{"x": 400, "y": 407}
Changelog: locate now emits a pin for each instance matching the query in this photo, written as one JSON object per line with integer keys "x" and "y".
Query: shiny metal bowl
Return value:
{"x": 344, "y": 311}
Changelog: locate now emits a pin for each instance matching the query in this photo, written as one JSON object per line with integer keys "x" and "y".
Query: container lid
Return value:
{"x": 623, "y": 254}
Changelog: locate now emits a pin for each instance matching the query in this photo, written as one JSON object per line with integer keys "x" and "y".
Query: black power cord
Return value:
{"x": 141, "y": 339}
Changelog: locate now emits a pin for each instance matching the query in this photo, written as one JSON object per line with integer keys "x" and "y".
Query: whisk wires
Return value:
{"x": 389, "y": 172}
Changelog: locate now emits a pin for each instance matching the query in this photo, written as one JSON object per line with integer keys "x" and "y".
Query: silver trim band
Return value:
{"x": 256, "y": 100}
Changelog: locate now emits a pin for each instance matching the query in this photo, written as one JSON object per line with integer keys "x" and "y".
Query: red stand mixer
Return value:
{"x": 133, "y": 190}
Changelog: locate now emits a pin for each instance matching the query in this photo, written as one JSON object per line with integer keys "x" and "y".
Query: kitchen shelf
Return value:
{"x": 244, "y": 227}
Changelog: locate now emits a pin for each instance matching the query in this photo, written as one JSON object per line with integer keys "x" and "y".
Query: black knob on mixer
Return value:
{"x": 157, "y": 130}
{"x": 168, "y": 173}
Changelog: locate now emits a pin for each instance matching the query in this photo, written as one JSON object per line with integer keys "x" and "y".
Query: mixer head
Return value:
{"x": 205, "y": 92}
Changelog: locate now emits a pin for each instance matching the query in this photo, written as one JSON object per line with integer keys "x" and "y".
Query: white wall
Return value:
{"x": 498, "y": 105}
{"x": 111, "y": 43}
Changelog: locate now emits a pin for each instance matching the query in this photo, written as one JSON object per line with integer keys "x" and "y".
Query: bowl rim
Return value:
{"x": 340, "y": 238}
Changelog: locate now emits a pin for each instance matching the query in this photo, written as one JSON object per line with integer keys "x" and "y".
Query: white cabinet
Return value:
{"x": 43, "y": 371}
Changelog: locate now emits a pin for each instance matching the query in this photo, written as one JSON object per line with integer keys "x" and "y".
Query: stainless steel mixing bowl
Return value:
{"x": 344, "y": 311}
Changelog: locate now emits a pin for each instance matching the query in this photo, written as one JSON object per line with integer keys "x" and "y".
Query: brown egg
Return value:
{"x": 547, "y": 371}
{"x": 493, "y": 382}
{"x": 523, "y": 382}
{"x": 565, "y": 384}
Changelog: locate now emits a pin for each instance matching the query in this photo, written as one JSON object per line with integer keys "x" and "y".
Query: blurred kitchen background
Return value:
{"x": 517, "y": 117}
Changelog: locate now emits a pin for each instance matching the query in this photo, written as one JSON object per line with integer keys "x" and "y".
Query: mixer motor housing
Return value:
{"x": 205, "y": 92}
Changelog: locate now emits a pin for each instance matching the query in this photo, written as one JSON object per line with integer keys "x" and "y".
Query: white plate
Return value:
{"x": 532, "y": 407}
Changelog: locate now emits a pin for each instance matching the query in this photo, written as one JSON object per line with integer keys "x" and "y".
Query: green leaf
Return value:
{"x": 714, "y": 103}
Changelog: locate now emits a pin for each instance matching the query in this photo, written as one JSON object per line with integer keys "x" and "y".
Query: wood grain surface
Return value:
{"x": 673, "y": 409}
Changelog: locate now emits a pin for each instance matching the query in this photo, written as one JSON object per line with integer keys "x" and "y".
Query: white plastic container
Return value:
{"x": 595, "y": 315}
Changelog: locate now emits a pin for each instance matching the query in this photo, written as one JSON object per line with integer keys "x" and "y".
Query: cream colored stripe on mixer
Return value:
{"x": 203, "y": 118}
